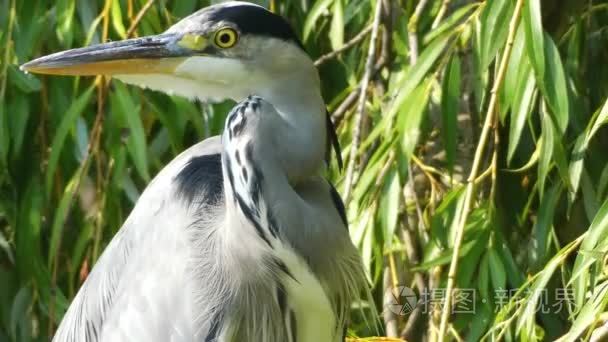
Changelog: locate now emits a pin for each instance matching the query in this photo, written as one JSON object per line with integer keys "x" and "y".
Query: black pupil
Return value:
{"x": 225, "y": 38}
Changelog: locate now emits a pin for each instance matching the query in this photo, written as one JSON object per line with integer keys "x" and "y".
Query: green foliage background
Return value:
{"x": 532, "y": 213}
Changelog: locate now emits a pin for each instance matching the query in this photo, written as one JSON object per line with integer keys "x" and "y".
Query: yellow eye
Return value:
{"x": 226, "y": 37}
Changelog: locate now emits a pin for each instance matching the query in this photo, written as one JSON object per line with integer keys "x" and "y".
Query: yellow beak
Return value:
{"x": 148, "y": 55}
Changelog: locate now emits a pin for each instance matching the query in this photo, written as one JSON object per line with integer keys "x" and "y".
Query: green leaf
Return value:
{"x": 315, "y": 13}
{"x": 547, "y": 143}
{"x": 497, "y": 270}
{"x": 526, "y": 318}
{"x": 117, "y": 22}
{"x": 336, "y": 30}
{"x": 589, "y": 313}
{"x": 67, "y": 122}
{"x": 24, "y": 81}
{"x": 580, "y": 148}
{"x": 65, "y": 14}
{"x": 494, "y": 23}
{"x": 542, "y": 229}
{"x": 18, "y": 318}
{"x": 553, "y": 85}
{"x": 416, "y": 74}
{"x": 450, "y": 103}
{"x": 518, "y": 69}
{"x": 483, "y": 282}
{"x": 410, "y": 117}
{"x": 391, "y": 198}
{"x": 602, "y": 184}
{"x": 445, "y": 257}
{"x": 183, "y": 8}
{"x": 60, "y": 217}
{"x": 4, "y": 134}
{"x": 20, "y": 112}
{"x": 596, "y": 234}
{"x": 515, "y": 274}
{"x": 590, "y": 199}
{"x": 136, "y": 144}
{"x": 534, "y": 36}
{"x": 449, "y": 24}
{"x": 522, "y": 104}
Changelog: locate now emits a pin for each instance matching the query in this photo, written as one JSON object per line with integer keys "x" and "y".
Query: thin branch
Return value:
{"x": 354, "y": 41}
{"x": 468, "y": 200}
{"x": 369, "y": 68}
{"x": 338, "y": 114}
{"x": 350, "y": 100}
{"x": 494, "y": 163}
{"x": 411, "y": 249}
{"x": 412, "y": 29}
{"x": 440, "y": 14}
{"x": 600, "y": 333}
{"x": 411, "y": 184}
{"x": 138, "y": 18}
{"x": 391, "y": 321}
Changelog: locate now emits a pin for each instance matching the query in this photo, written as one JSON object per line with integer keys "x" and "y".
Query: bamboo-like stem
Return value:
{"x": 354, "y": 41}
{"x": 470, "y": 190}
{"x": 369, "y": 67}
{"x": 440, "y": 14}
{"x": 138, "y": 18}
{"x": 412, "y": 29}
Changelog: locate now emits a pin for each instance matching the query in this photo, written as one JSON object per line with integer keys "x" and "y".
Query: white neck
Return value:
{"x": 297, "y": 99}
{"x": 290, "y": 83}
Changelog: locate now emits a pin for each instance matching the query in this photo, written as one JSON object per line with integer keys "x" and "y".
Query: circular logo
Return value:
{"x": 400, "y": 300}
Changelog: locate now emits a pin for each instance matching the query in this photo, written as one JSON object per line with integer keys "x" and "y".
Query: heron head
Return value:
{"x": 225, "y": 51}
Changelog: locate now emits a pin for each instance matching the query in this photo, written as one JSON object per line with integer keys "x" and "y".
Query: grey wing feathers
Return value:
{"x": 114, "y": 279}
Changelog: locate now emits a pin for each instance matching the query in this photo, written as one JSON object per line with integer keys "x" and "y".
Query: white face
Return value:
{"x": 255, "y": 65}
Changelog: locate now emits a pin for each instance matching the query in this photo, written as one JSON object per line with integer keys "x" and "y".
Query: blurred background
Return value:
{"x": 472, "y": 131}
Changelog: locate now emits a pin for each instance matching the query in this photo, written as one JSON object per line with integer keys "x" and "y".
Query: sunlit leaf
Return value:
{"x": 553, "y": 85}
{"x": 117, "y": 22}
{"x": 336, "y": 30}
{"x": 517, "y": 69}
{"x": 311, "y": 20}
{"x": 65, "y": 10}
{"x": 534, "y": 36}
{"x": 589, "y": 313}
{"x": 390, "y": 207}
{"x": 597, "y": 233}
{"x": 493, "y": 27}
{"x": 417, "y": 73}
{"x": 410, "y": 117}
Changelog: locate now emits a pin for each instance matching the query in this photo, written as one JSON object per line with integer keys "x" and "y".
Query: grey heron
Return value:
{"x": 240, "y": 237}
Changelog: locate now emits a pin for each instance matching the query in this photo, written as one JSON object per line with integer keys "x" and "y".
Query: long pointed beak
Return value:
{"x": 148, "y": 55}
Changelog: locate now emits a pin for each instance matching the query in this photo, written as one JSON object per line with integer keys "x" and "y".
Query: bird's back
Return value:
{"x": 140, "y": 289}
